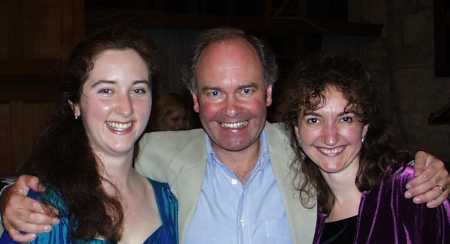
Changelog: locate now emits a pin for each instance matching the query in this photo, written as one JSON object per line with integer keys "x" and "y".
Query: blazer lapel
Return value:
{"x": 302, "y": 220}
{"x": 193, "y": 159}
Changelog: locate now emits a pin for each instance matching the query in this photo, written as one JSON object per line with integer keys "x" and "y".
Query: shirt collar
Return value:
{"x": 261, "y": 163}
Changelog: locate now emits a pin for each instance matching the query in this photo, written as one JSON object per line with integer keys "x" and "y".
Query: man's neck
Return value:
{"x": 242, "y": 162}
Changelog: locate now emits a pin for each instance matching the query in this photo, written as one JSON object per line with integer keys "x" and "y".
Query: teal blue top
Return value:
{"x": 167, "y": 233}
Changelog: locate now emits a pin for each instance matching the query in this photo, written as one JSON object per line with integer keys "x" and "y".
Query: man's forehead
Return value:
{"x": 229, "y": 55}
{"x": 237, "y": 48}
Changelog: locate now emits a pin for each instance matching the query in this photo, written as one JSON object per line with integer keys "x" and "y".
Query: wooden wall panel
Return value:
{"x": 6, "y": 164}
{"x": 4, "y": 29}
{"x": 15, "y": 30}
{"x": 42, "y": 29}
{"x": 30, "y": 118}
{"x": 22, "y": 123}
{"x": 73, "y": 25}
{"x": 36, "y": 36}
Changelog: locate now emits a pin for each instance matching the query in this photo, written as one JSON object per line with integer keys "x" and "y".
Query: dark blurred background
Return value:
{"x": 405, "y": 44}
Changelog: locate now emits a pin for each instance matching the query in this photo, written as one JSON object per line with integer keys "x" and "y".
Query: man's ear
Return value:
{"x": 195, "y": 101}
{"x": 268, "y": 95}
{"x": 75, "y": 108}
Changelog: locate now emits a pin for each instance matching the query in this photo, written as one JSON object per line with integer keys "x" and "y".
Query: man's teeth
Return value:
{"x": 118, "y": 125}
{"x": 234, "y": 125}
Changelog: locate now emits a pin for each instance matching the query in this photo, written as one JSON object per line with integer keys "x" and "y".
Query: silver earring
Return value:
{"x": 76, "y": 116}
{"x": 362, "y": 140}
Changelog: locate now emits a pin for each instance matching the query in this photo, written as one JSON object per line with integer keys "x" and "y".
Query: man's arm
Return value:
{"x": 21, "y": 213}
{"x": 431, "y": 182}
{"x": 22, "y": 216}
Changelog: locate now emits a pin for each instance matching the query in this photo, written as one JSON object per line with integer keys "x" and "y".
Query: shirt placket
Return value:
{"x": 243, "y": 217}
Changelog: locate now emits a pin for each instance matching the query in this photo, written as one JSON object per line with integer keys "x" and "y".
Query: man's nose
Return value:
{"x": 231, "y": 107}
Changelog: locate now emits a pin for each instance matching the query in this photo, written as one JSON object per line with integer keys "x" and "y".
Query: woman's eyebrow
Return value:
{"x": 102, "y": 82}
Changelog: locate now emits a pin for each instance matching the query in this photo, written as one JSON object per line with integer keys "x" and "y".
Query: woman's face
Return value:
{"x": 115, "y": 102}
{"x": 330, "y": 136}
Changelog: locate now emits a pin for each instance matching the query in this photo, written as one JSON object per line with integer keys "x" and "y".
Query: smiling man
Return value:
{"x": 232, "y": 178}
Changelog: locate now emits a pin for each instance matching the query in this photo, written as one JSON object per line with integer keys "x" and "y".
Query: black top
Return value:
{"x": 341, "y": 231}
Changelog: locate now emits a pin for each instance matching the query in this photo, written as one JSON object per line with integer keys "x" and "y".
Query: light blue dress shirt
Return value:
{"x": 229, "y": 212}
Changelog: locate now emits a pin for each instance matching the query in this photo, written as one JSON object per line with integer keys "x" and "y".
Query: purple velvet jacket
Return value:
{"x": 386, "y": 216}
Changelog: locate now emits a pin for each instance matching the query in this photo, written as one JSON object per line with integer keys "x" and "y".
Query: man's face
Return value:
{"x": 231, "y": 96}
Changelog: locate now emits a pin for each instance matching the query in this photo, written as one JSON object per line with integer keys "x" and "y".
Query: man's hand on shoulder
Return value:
{"x": 22, "y": 216}
{"x": 431, "y": 182}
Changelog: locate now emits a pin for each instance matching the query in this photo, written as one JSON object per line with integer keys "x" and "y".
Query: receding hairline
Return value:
{"x": 233, "y": 40}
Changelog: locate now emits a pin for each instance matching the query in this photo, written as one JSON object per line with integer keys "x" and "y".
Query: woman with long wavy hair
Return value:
{"x": 85, "y": 156}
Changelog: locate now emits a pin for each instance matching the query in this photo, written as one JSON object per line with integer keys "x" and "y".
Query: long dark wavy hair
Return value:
{"x": 63, "y": 158}
{"x": 378, "y": 156}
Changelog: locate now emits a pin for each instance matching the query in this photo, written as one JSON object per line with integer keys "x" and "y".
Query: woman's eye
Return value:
{"x": 140, "y": 91}
{"x": 347, "y": 119}
{"x": 105, "y": 91}
{"x": 312, "y": 120}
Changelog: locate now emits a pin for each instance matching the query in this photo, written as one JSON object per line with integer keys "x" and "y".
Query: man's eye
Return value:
{"x": 213, "y": 93}
{"x": 247, "y": 91}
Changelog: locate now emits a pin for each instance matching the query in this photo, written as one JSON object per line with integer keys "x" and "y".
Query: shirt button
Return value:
{"x": 242, "y": 221}
{"x": 234, "y": 181}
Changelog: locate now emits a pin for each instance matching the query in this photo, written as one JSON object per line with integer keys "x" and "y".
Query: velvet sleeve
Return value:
{"x": 386, "y": 216}
{"x": 421, "y": 224}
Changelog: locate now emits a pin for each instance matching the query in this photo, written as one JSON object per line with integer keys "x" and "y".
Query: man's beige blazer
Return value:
{"x": 180, "y": 159}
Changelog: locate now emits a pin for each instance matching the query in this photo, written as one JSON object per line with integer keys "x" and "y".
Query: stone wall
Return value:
{"x": 402, "y": 61}
{"x": 410, "y": 37}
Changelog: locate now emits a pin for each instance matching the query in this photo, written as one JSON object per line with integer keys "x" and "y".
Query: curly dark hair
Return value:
{"x": 378, "y": 156}
{"x": 265, "y": 54}
{"x": 63, "y": 158}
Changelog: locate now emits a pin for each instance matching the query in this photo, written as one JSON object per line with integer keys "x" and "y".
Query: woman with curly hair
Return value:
{"x": 348, "y": 161}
